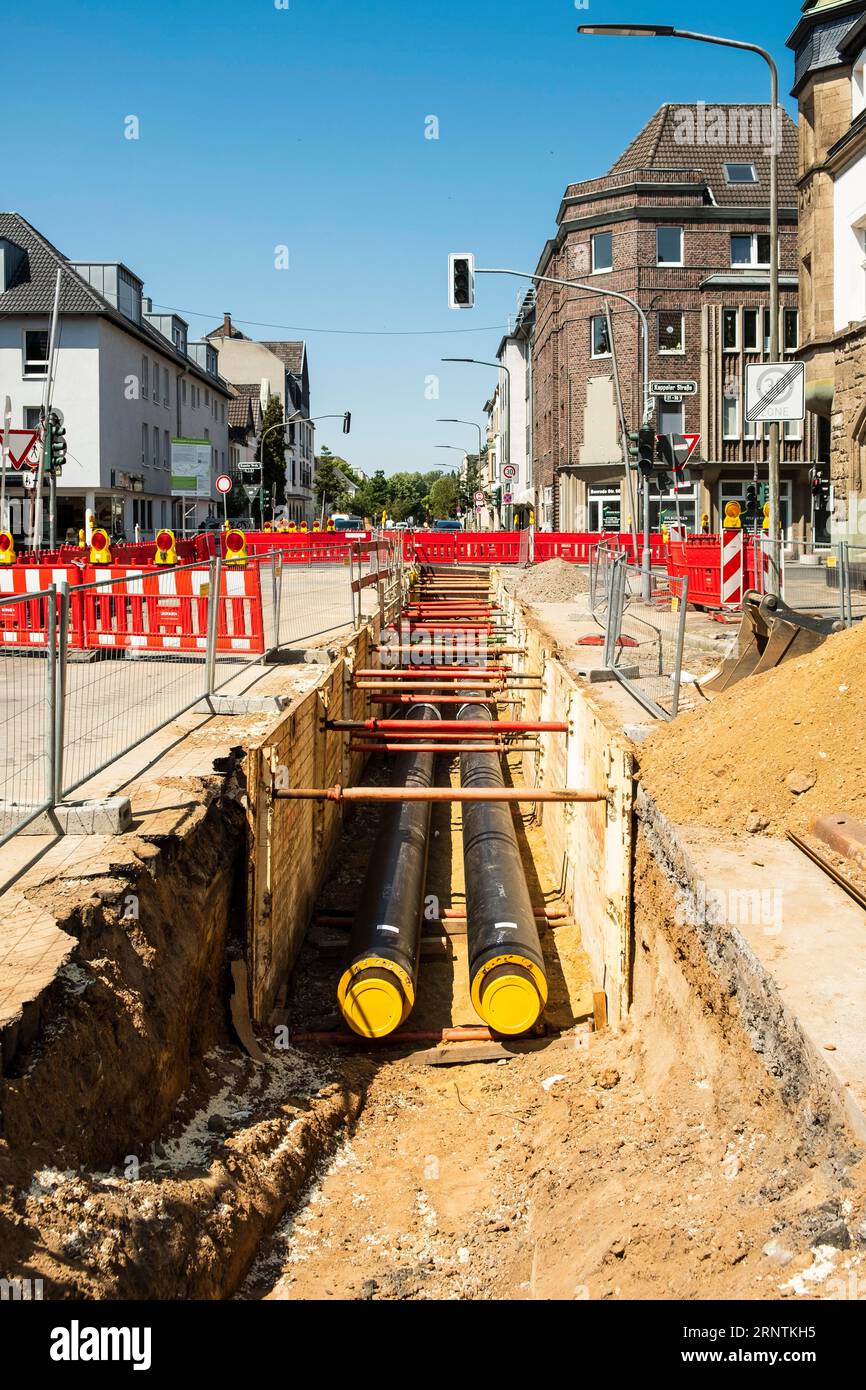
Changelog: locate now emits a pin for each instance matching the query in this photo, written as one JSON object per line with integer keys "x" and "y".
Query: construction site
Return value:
{"x": 472, "y": 949}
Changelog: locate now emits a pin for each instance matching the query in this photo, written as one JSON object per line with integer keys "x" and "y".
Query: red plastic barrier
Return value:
{"x": 164, "y": 610}
{"x": 26, "y": 624}
{"x": 715, "y": 579}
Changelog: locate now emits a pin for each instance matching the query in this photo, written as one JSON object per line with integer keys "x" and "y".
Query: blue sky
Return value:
{"x": 305, "y": 127}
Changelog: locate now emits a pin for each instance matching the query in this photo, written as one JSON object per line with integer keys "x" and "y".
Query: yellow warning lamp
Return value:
{"x": 731, "y": 520}
{"x": 166, "y": 554}
{"x": 100, "y": 547}
{"x": 82, "y": 539}
{"x": 705, "y": 523}
{"x": 330, "y": 526}
{"x": 282, "y": 525}
{"x": 304, "y": 526}
{"x": 293, "y": 526}
{"x": 7, "y": 548}
{"x": 317, "y": 525}
{"x": 766, "y": 516}
{"x": 664, "y": 534}
{"x": 236, "y": 548}
{"x": 267, "y": 527}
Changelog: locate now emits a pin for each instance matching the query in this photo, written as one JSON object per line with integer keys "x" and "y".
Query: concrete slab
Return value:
{"x": 808, "y": 936}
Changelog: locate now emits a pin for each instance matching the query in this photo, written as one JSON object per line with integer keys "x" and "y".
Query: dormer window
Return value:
{"x": 741, "y": 173}
{"x": 858, "y": 86}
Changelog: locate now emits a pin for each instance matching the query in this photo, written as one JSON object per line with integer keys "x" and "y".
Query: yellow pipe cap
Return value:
{"x": 510, "y": 1002}
{"x": 374, "y": 1003}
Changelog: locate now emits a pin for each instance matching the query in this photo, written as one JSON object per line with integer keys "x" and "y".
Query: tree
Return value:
{"x": 330, "y": 484}
{"x": 470, "y": 482}
{"x": 444, "y": 495}
{"x": 274, "y": 469}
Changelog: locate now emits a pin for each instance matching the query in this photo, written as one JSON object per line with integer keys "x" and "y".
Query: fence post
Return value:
{"x": 60, "y": 689}
{"x": 615, "y": 600}
{"x": 681, "y": 637}
{"x": 845, "y": 584}
{"x": 51, "y": 695}
{"x": 213, "y": 625}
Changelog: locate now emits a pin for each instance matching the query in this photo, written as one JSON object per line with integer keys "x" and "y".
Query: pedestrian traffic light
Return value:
{"x": 646, "y": 437}
{"x": 461, "y": 280}
{"x": 56, "y": 442}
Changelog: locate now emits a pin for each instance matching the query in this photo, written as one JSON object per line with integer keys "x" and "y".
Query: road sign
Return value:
{"x": 508, "y": 498}
{"x": 775, "y": 391}
{"x": 29, "y": 478}
{"x": 251, "y": 492}
{"x": 479, "y": 499}
{"x": 21, "y": 443}
{"x": 509, "y": 471}
{"x": 223, "y": 483}
{"x": 674, "y": 388}
{"x": 677, "y": 449}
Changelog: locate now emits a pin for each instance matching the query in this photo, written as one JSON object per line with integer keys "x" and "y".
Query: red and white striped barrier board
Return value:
{"x": 733, "y": 569}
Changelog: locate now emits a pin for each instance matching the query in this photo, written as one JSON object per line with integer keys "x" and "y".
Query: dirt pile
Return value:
{"x": 775, "y": 752}
{"x": 554, "y": 581}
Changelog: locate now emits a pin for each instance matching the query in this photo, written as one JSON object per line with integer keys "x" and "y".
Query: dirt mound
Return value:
{"x": 773, "y": 753}
{"x": 553, "y": 581}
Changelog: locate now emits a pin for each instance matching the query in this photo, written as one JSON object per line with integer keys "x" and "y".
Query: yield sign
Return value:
{"x": 677, "y": 449}
{"x": 21, "y": 444}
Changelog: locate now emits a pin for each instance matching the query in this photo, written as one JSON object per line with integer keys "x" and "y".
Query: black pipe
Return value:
{"x": 508, "y": 984}
{"x": 377, "y": 989}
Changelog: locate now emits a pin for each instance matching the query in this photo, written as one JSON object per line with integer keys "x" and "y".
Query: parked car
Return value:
{"x": 445, "y": 523}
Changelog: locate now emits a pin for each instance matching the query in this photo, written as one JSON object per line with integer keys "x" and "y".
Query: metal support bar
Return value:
{"x": 444, "y": 794}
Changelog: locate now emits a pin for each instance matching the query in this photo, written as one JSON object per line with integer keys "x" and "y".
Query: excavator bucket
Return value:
{"x": 769, "y": 634}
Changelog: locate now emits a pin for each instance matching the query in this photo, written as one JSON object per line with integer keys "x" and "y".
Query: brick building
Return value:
{"x": 681, "y": 224}
{"x": 830, "y": 85}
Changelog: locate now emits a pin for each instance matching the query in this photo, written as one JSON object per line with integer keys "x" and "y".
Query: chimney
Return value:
{"x": 227, "y": 325}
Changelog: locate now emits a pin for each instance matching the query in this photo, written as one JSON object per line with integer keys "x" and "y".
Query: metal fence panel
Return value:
{"x": 645, "y": 638}
{"x": 28, "y": 625}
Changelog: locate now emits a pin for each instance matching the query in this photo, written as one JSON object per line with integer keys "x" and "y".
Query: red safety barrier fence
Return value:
{"x": 719, "y": 568}
{"x": 189, "y": 551}
{"x": 124, "y": 608}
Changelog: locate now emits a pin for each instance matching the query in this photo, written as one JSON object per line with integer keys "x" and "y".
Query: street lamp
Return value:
{"x": 500, "y": 366}
{"x": 667, "y": 31}
{"x": 345, "y": 416}
{"x": 474, "y": 425}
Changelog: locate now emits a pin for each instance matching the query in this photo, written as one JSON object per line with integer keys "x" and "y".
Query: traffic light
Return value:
{"x": 57, "y": 445}
{"x": 646, "y": 444}
{"x": 347, "y": 422}
{"x": 633, "y": 448}
{"x": 461, "y": 280}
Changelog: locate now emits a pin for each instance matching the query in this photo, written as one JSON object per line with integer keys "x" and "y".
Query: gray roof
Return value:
{"x": 32, "y": 292}
{"x": 664, "y": 145}
{"x": 290, "y": 354}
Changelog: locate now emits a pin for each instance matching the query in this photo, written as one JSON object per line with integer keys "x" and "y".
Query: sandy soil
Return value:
{"x": 566, "y": 1174}
{"x": 773, "y": 753}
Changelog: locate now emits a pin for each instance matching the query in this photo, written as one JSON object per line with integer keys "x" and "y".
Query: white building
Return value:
{"x": 515, "y": 389}
{"x": 285, "y": 369}
{"x": 130, "y": 385}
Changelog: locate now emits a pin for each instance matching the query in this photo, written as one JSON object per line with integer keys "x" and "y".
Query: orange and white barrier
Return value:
{"x": 167, "y": 611}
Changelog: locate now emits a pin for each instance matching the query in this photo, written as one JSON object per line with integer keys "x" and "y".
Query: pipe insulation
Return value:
{"x": 376, "y": 992}
{"x": 507, "y": 978}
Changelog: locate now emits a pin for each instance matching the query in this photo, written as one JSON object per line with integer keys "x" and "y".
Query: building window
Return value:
{"x": 602, "y": 251}
{"x": 750, "y": 249}
{"x": 791, "y": 330}
{"x": 669, "y": 246}
{"x": 145, "y": 376}
{"x": 672, "y": 332}
{"x": 156, "y": 381}
{"x": 166, "y": 450}
{"x": 670, "y": 418}
{"x": 750, "y": 330}
{"x": 183, "y": 390}
{"x": 600, "y": 339}
{"x": 165, "y": 393}
{"x": 730, "y": 330}
{"x": 144, "y": 444}
{"x": 741, "y": 173}
{"x": 794, "y": 431}
{"x": 766, "y": 330}
{"x": 731, "y": 417}
{"x": 35, "y": 353}
{"x": 155, "y": 447}
{"x": 858, "y": 86}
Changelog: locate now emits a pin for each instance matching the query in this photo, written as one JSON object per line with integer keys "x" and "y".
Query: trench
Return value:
{"x": 635, "y": 1144}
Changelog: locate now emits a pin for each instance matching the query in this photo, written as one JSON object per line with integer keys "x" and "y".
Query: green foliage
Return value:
{"x": 444, "y": 496}
{"x": 274, "y": 461}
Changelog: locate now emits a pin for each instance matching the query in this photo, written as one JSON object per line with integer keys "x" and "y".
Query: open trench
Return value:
{"x": 634, "y": 1144}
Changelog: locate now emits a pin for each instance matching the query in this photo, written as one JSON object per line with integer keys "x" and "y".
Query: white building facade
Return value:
{"x": 128, "y": 384}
